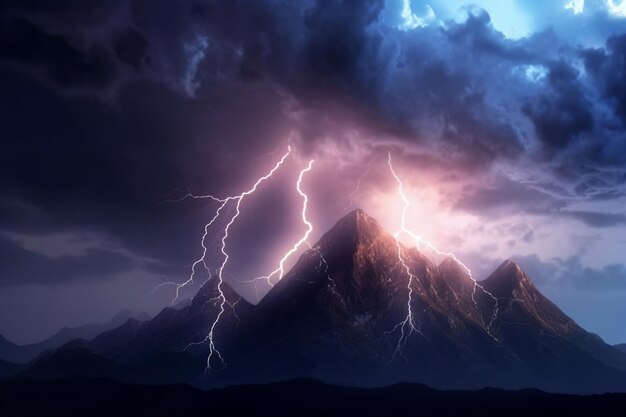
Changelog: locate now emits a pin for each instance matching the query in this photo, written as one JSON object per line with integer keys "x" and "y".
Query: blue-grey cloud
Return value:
{"x": 571, "y": 272}
{"x": 20, "y": 266}
{"x": 596, "y": 219}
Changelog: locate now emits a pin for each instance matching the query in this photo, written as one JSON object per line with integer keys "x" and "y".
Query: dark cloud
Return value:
{"x": 562, "y": 113}
{"x": 432, "y": 83}
{"x": 478, "y": 35}
{"x": 513, "y": 196}
{"x": 572, "y": 273}
{"x": 596, "y": 219}
{"x": 56, "y": 56}
{"x": 75, "y": 12}
{"x": 130, "y": 47}
{"x": 609, "y": 71}
{"x": 150, "y": 97}
{"x": 506, "y": 195}
{"x": 340, "y": 49}
{"x": 19, "y": 266}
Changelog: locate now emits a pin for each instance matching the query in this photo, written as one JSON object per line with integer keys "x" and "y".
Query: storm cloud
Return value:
{"x": 19, "y": 266}
{"x": 110, "y": 109}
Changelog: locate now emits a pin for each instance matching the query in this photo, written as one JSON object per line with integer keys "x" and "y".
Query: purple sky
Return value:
{"x": 505, "y": 120}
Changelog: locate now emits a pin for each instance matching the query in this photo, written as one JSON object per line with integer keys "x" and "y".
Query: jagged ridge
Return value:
{"x": 336, "y": 319}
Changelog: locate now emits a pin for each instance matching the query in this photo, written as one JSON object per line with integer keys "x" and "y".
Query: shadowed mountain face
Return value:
{"x": 358, "y": 308}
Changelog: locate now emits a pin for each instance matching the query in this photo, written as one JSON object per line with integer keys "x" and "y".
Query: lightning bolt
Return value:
{"x": 407, "y": 326}
{"x": 358, "y": 186}
{"x": 332, "y": 284}
{"x": 220, "y": 299}
{"x": 280, "y": 270}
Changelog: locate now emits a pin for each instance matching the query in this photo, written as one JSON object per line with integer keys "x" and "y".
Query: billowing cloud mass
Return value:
{"x": 506, "y": 119}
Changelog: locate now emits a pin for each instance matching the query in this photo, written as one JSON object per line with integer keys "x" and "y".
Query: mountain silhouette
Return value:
{"x": 360, "y": 309}
{"x": 12, "y": 352}
{"x": 9, "y": 369}
{"x": 97, "y": 397}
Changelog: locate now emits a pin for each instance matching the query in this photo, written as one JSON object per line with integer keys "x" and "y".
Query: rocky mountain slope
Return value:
{"x": 361, "y": 309}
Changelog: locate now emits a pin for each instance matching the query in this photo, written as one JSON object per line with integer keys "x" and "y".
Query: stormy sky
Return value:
{"x": 506, "y": 120}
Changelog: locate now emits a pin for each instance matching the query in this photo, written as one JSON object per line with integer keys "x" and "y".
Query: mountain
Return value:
{"x": 621, "y": 347}
{"x": 89, "y": 397}
{"x": 12, "y": 352}
{"x": 9, "y": 369}
{"x": 360, "y": 309}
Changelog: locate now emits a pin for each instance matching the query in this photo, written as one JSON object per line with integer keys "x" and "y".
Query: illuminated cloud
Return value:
{"x": 616, "y": 7}
{"x": 400, "y": 14}
{"x": 196, "y": 51}
{"x": 576, "y": 6}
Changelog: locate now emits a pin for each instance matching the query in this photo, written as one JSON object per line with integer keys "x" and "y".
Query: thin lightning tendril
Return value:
{"x": 358, "y": 186}
{"x": 419, "y": 240}
{"x": 407, "y": 326}
{"x": 280, "y": 270}
{"x": 220, "y": 299}
{"x": 332, "y": 284}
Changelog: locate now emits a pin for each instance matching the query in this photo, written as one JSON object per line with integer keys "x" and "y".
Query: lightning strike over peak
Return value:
{"x": 280, "y": 270}
{"x": 419, "y": 240}
{"x": 220, "y": 299}
{"x": 407, "y": 326}
{"x": 358, "y": 186}
{"x": 332, "y": 284}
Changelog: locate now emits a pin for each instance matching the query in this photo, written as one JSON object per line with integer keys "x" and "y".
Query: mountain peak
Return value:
{"x": 360, "y": 219}
{"x": 510, "y": 265}
{"x": 512, "y": 270}
{"x": 355, "y": 226}
{"x": 451, "y": 263}
{"x": 508, "y": 277}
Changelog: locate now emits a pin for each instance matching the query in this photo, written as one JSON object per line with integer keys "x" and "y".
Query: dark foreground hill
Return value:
{"x": 88, "y": 397}
{"x": 9, "y": 369}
